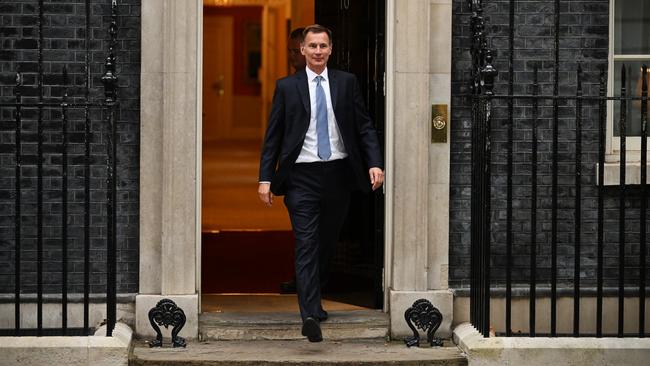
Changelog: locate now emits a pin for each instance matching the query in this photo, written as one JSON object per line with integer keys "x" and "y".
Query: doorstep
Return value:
{"x": 297, "y": 352}
{"x": 341, "y": 325}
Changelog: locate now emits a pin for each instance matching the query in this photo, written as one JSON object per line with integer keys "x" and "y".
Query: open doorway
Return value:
{"x": 247, "y": 248}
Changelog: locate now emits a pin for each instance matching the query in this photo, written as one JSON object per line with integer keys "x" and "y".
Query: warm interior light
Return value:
{"x": 216, "y": 2}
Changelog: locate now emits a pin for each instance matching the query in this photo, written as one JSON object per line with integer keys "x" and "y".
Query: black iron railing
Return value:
{"x": 610, "y": 204}
{"x": 43, "y": 108}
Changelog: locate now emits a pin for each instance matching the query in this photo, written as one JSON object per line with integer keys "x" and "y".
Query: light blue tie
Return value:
{"x": 322, "y": 132}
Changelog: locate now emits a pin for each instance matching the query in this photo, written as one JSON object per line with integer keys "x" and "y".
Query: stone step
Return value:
{"x": 265, "y": 352}
{"x": 341, "y": 325}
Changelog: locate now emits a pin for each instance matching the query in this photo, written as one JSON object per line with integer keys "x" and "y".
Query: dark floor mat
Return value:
{"x": 258, "y": 261}
{"x": 246, "y": 261}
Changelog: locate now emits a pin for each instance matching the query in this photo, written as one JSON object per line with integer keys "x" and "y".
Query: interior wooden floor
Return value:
{"x": 260, "y": 303}
{"x": 229, "y": 189}
{"x": 232, "y": 211}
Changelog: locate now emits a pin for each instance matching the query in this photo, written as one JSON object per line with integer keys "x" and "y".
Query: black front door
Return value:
{"x": 358, "y": 47}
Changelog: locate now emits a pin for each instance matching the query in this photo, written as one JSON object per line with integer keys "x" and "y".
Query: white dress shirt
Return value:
{"x": 309, "y": 152}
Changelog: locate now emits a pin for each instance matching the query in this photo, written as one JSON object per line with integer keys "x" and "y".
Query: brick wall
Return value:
{"x": 584, "y": 40}
{"x": 64, "y": 44}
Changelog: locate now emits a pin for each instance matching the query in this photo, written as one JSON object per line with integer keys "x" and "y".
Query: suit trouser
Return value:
{"x": 317, "y": 198}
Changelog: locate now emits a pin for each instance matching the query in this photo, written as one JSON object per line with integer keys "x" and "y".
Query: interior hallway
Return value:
{"x": 229, "y": 189}
{"x": 247, "y": 248}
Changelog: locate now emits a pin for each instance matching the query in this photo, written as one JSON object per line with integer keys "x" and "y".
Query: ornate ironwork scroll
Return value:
{"x": 166, "y": 313}
{"x": 110, "y": 78}
{"x": 483, "y": 73}
{"x": 423, "y": 315}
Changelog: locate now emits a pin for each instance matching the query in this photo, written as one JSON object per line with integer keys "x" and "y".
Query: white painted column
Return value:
{"x": 170, "y": 130}
{"x": 439, "y": 153}
{"x": 419, "y": 75}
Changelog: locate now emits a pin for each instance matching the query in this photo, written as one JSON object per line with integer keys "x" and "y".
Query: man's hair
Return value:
{"x": 296, "y": 34}
{"x": 317, "y": 28}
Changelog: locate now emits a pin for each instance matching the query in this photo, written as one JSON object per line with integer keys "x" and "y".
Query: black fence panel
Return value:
{"x": 59, "y": 168}
{"x": 548, "y": 186}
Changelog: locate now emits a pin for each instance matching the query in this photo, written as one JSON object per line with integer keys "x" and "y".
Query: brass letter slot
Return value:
{"x": 439, "y": 123}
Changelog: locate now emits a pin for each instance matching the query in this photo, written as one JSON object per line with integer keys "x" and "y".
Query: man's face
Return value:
{"x": 296, "y": 59}
{"x": 317, "y": 50}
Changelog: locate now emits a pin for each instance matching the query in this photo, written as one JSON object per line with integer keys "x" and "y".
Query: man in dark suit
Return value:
{"x": 320, "y": 145}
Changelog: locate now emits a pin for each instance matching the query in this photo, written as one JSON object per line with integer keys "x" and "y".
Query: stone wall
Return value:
{"x": 64, "y": 45}
{"x": 584, "y": 41}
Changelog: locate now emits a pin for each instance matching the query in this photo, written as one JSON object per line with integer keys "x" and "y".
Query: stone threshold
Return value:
{"x": 298, "y": 352}
{"x": 356, "y": 324}
{"x": 544, "y": 351}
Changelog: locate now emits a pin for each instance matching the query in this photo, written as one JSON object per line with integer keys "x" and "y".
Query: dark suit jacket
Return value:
{"x": 289, "y": 121}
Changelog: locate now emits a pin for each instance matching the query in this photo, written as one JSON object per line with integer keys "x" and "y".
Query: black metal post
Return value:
{"x": 556, "y": 78}
{"x": 480, "y": 156}
{"x": 110, "y": 90}
{"x": 86, "y": 267}
{"x": 480, "y": 219}
{"x": 17, "y": 213}
{"x": 64, "y": 205}
{"x": 488, "y": 73}
{"x": 483, "y": 74}
{"x": 602, "y": 113}
{"x": 577, "y": 207}
{"x": 644, "y": 198}
{"x": 473, "y": 257}
{"x": 477, "y": 53}
{"x": 487, "y": 216}
{"x": 621, "y": 212}
{"x": 533, "y": 211}
{"x": 511, "y": 39}
{"x": 39, "y": 180}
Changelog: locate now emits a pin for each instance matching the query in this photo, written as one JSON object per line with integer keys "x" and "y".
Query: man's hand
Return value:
{"x": 264, "y": 192}
{"x": 376, "y": 177}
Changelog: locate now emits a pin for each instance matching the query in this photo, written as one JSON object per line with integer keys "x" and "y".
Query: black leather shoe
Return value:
{"x": 288, "y": 287}
{"x": 311, "y": 330}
